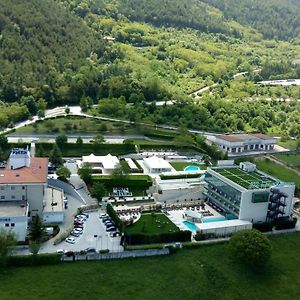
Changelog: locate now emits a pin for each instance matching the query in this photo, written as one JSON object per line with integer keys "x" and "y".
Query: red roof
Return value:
{"x": 243, "y": 137}
{"x": 262, "y": 136}
{"x": 36, "y": 173}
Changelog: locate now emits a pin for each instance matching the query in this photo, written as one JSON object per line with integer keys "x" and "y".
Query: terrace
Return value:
{"x": 247, "y": 180}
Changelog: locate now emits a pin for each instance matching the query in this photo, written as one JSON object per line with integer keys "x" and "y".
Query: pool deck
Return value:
{"x": 177, "y": 216}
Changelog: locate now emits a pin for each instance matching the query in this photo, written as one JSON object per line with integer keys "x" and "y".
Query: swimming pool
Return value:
{"x": 213, "y": 219}
{"x": 191, "y": 168}
{"x": 191, "y": 226}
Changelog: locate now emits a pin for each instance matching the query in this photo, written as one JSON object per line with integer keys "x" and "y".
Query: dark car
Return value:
{"x": 78, "y": 226}
{"x": 78, "y": 222}
{"x": 69, "y": 253}
{"x": 112, "y": 228}
{"x": 90, "y": 250}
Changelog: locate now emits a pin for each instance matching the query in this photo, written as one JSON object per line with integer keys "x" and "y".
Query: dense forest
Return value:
{"x": 59, "y": 52}
{"x": 274, "y": 18}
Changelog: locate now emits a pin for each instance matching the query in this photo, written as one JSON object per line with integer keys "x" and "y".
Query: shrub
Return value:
{"x": 118, "y": 222}
{"x": 263, "y": 226}
{"x": 145, "y": 247}
{"x": 104, "y": 251}
{"x": 250, "y": 247}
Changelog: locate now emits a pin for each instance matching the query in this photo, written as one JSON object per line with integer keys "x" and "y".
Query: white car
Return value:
{"x": 60, "y": 251}
{"x": 70, "y": 240}
{"x": 78, "y": 230}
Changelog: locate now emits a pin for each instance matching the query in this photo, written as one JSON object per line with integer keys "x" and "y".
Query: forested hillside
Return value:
{"x": 123, "y": 52}
{"x": 39, "y": 41}
{"x": 274, "y": 18}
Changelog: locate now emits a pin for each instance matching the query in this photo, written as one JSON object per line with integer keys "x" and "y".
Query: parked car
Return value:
{"x": 76, "y": 222}
{"x": 85, "y": 214}
{"x": 70, "y": 240}
{"x": 102, "y": 216}
{"x": 109, "y": 229}
{"x": 74, "y": 233}
{"x": 79, "y": 230}
{"x": 107, "y": 220}
{"x": 78, "y": 226}
{"x": 69, "y": 253}
{"x": 83, "y": 217}
{"x": 60, "y": 251}
{"x": 90, "y": 250}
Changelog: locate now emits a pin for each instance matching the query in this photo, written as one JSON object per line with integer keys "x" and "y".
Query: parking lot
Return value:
{"x": 94, "y": 236}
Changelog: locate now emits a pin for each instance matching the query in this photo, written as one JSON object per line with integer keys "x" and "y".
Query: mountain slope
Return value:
{"x": 274, "y": 18}
{"x": 36, "y": 37}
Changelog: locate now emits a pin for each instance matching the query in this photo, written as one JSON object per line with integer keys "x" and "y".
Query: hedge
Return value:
{"x": 75, "y": 150}
{"x": 263, "y": 226}
{"x": 170, "y": 237}
{"x": 118, "y": 222}
{"x": 128, "y": 181}
{"x": 285, "y": 223}
{"x": 181, "y": 176}
{"x": 34, "y": 260}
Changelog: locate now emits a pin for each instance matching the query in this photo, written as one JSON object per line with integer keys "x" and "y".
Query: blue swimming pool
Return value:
{"x": 191, "y": 226}
{"x": 191, "y": 168}
{"x": 213, "y": 219}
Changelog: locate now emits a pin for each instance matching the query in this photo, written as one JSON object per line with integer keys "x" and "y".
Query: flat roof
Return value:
{"x": 51, "y": 197}
{"x": 108, "y": 161}
{"x": 222, "y": 224}
{"x": 13, "y": 208}
{"x": 247, "y": 180}
{"x": 155, "y": 162}
{"x": 244, "y": 137}
{"x": 36, "y": 173}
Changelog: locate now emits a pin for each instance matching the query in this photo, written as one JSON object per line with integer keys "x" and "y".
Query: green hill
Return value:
{"x": 39, "y": 41}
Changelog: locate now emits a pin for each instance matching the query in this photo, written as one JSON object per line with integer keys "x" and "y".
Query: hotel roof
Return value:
{"x": 36, "y": 173}
{"x": 108, "y": 161}
{"x": 243, "y": 137}
{"x": 247, "y": 180}
{"x": 155, "y": 162}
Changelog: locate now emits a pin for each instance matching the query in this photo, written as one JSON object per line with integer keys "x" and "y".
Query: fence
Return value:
{"x": 118, "y": 255}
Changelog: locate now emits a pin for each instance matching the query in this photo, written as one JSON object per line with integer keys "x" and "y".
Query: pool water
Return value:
{"x": 213, "y": 219}
{"x": 191, "y": 168}
{"x": 191, "y": 226}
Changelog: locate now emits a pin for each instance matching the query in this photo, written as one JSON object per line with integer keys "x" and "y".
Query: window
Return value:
{"x": 13, "y": 197}
{"x": 12, "y": 224}
{"x": 2, "y": 197}
{"x": 2, "y": 188}
{"x": 6, "y": 224}
{"x": 12, "y": 187}
{"x": 23, "y": 187}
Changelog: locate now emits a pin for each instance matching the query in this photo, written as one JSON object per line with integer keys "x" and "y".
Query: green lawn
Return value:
{"x": 152, "y": 224}
{"x": 278, "y": 171}
{"x": 289, "y": 144}
{"x": 205, "y": 273}
{"x": 180, "y": 166}
{"x": 292, "y": 160}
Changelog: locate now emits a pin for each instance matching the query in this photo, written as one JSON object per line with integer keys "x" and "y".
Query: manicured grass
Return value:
{"x": 204, "y": 273}
{"x": 292, "y": 160}
{"x": 279, "y": 171}
{"x": 180, "y": 166}
{"x": 155, "y": 223}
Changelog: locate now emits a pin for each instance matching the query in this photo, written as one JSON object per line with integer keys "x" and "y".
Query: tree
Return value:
{"x": 99, "y": 190}
{"x": 85, "y": 172}
{"x": 7, "y": 243}
{"x": 250, "y": 247}
{"x": 63, "y": 173}
{"x": 98, "y": 139}
{"x": 61, "y": 140}
{"x": 79, "y": 141}
{"x": 84, "y": 104}
{"x": 55, "y": 156}
{"x": 36, "y": 229}
{"x": 67, "y": 110}
{"x": 40, "y": 152}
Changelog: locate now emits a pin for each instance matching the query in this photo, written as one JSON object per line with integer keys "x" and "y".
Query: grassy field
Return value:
{"x": 179, "y": 166}
{"x": 292, "y": 160}
{"x": 289, "y": 144}
{"x": 278, "y": 171}
{"x": 203, "y": 273}
{"x": 152, "y": 224}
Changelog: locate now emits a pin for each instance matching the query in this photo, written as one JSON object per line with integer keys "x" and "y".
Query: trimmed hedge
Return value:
{"x": 144, "y": 247}
{"x": 285, "y": 223}
{"x": 183, "y": 176}
{"x": 111, "y": 212}
{"x": 75, "y": 150}
{"x": 263, "y": 226}
{"x": 34, "y": 260}
{"x": 128, "y": 181}
{"x": 170, "y": 237}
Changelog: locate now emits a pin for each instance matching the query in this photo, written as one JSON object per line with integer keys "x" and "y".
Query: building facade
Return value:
{"x": 238, "y": 143}
{"x": 248, "y": 195}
